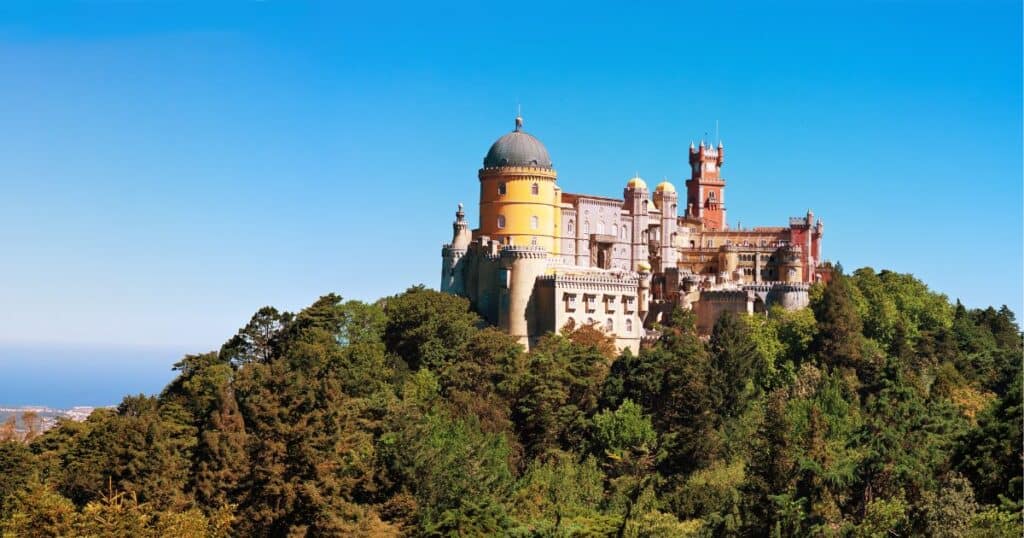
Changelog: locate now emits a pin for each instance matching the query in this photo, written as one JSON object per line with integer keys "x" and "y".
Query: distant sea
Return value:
{"x": 67, "y": 376}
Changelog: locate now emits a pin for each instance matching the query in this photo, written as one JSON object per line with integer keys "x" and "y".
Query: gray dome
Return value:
{"x": 518, "y": 149}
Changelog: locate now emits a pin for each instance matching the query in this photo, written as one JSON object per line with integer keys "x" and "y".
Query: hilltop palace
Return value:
{"x": 543, "y": 258}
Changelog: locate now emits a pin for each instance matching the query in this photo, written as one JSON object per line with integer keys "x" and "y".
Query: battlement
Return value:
{"x": 523, "y": 252}
{"x": 777, "y": 286}
{"x": 604, "y": 280}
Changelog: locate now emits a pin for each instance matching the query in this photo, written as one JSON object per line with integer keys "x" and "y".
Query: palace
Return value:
{"x": 542, "y": 258}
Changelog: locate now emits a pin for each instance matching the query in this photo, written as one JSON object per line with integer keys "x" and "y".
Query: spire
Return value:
{"x": 519, "y": 118}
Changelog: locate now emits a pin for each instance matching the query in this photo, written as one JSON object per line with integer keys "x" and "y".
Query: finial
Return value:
{"x": 460, "y": 206}
{"x": 691, "y": 144}
{"x": 519, "y": 123}
{"x": 701, "y": 142}
{"x": 720, "y": 146}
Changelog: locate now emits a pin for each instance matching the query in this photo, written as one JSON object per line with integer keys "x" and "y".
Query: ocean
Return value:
{"x": 67, "y": 376}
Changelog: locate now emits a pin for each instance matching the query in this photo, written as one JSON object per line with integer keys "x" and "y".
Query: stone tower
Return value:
{"x": 452, "y": 278}
{"x": 519, "y": 268}
{"x": 705, "y": 190}
{"x": 638, "y": 205}
{"x": 519, "y": 199}
{"x": 667, "y": 200}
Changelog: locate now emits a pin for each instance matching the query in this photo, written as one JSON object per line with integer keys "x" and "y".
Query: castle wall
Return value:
{"x": 713, "y": 304}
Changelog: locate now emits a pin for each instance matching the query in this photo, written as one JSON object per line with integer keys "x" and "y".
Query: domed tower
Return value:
{"x": 520, "y": 202}
{"x": 667, "y": 200}
{"x": 637, "y": 204}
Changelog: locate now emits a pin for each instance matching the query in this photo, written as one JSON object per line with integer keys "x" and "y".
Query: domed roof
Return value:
{"x": 636, "y": 182}
{"x": 517, "y": 149}
{"x": 665, "y": 186}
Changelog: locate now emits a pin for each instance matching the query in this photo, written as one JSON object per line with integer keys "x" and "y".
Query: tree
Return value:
{"x": 839, "y": 341}
{"x": 222, "y": 460}
{"x": 427, "y": 327}
{"x": 734, "y": 365}
{"x": 256, "y": 341}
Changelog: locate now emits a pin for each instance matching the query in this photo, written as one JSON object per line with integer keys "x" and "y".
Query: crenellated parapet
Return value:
{"x": 523, "y": 252}
{"x": 624, "y": 282}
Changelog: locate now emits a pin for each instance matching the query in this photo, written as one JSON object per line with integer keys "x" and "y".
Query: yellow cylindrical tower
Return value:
{"x": 520, "y": 203}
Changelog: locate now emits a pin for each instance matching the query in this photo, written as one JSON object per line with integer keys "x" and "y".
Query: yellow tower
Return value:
{"x": 520, "y": 202}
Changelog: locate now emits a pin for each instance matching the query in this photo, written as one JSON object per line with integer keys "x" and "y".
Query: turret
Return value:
{"x": 452, "y": 253}
{"x": 638, "y": 205}
{"x": 667, "y": 200}
{"x": 519, "y": 269}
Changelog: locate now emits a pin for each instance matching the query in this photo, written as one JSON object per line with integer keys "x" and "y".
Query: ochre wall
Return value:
{"x": 519, "y": 204}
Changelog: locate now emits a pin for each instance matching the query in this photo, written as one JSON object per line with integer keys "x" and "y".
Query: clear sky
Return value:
{"x": 167, "y": 168}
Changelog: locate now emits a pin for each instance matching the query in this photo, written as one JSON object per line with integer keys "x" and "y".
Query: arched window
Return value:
{"x": 501, "y": 189}
{"x": 643, "y": 236}
{"x": 609, "y": 325}
{"x": 615, "y": 229}
{"x": 570, "y": 227}
{"x": 600, "y": 227}
{"x": 674, "y": 209}
{"x": 629, "y": 326}
{"x": 674, "y": 238}
{"x": 711, "y": 197}
{"x": 645, "y": 206}
{"x": 586, "y": 227}
{"x": 590, "y": 321}
{"x": 625, "y": 232}
{"x": 534, "y": 222}
{"x": 535, "y": 189}
{"x": 501, "y": 221}
{"x": 533, "y": 241}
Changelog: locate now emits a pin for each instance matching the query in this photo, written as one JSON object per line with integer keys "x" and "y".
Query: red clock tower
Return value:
{"x": 705, "y": 190}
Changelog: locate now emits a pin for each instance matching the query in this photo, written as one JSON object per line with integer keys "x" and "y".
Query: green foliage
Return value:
{"x": 427, "y": 328}
{"x": 883, "y": 410}
{"x": 623, "y": 429}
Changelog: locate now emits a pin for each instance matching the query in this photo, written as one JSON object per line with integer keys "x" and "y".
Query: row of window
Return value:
{"x": 534, "y": 222}
{"x": 609, "y": 324}
{"x": 503, "y": 189}
{"x": 610, "y": 302}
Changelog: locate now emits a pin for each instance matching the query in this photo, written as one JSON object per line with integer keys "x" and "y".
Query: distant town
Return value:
{"x": 19, "y": 422}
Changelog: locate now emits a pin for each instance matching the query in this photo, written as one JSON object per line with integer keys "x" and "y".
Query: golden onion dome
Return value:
{"x": 636, "y": 183}
{"x": 665, "y": 186}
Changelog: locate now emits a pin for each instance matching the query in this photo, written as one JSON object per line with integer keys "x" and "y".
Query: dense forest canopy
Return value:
{"x": 882, "y": 410}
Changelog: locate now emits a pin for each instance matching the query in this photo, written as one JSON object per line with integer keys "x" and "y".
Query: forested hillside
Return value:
{"x": 884, "y": 410}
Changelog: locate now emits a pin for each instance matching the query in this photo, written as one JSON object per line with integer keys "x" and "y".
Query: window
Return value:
{"x": 625, "y": 232}
{"x": 590, "y": 322}
{"x": 711, "y": 243}
{"x": 588, "y": 302}
{"x": 586, "y": 228}
{"x": 501, "y": 189}
{"x": 673, "y": 209}
{"x": 600, "y": 227}
{"x": 609, "y": 303}
{"x": 615, "y": 229}
{"x": 645, "y": 206}
{"x": 570, "y": 227}
{"x": 570, "y": 301}
{"x": 711, "y": 197}
{"x": 534, "y": 222}
{"x": 609, "y": 325}
{"x": 535, "y": 189}
{"x": 501, "y": 221}
{"x": 533, "y": 241}
{"x": 629, "y": 325}
{"x": 628, "y": 302}
{"x": 764, "y": 243}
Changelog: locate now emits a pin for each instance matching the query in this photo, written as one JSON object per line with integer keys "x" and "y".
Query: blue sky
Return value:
{"x": 168, "y": 167}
